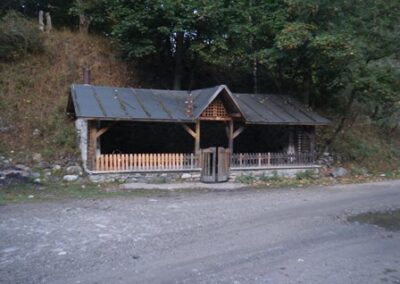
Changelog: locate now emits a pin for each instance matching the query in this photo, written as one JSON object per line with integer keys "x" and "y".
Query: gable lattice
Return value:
{"x": 215, "y": 110}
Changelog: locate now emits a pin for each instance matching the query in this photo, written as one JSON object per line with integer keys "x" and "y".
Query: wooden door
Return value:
{"x": 223, "y": 161}
{"x": 215, "y": 163}
{"x": 208, "y": 158}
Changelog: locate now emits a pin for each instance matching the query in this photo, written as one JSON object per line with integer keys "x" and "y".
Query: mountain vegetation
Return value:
{"x": 341, "y": 57}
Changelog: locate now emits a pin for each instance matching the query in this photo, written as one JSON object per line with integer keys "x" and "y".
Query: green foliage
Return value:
{"x": 18, "y": 37}
{"x": 247, "y": 179}
{"x": 307, "y": 174}
{"x": 270, "y": 178}
{"x": 294, "y": 35}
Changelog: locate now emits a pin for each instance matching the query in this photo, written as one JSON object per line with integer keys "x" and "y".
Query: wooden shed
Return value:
{"x": 212, "y": 131}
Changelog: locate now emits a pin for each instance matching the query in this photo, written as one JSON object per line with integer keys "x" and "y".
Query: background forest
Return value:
{"x": 341, "y": 57}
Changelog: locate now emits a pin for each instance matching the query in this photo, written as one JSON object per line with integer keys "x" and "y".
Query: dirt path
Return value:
{"x": 245, "y": 236}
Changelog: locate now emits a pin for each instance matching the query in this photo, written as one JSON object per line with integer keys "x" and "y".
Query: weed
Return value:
{"x": 270, "y": 178}
{"x": 159, "y": 180}
{"x": 247, "y": 179}
{"x": 307, "y": 174}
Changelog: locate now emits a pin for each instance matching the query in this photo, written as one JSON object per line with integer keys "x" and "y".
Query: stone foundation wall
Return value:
{"x": 147, "y": 177}
{"x": 194, "y": 176}
{"x": 280, "y": 172}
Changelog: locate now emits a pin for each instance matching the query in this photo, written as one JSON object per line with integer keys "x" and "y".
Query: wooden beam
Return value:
{"x": 189, "y": 130}
{"x": 101, "y": 131}
{"x": 238, "y": 131}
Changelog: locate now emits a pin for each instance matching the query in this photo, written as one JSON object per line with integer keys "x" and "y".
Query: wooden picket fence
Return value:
{"x": 143, "y": 162}
{"x": 254, "y": 160}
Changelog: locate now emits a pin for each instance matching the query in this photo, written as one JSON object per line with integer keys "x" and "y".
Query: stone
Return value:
{"x": 35, "y": 175}
{"x": 37, "y": 157}
{"x": 37, "y": 180}
{"x": 44, "y": 165}
{"x": 70, "y": 177}
{"x": 186, "y": 176}
{"x": 74, "y": 170}
{"x": 56, "y": 168}
{"x": 13, "y": 174}
{"x": 339, "y": 172}
{"x": 23, "y": 168}
{"x": 36, "y": 132}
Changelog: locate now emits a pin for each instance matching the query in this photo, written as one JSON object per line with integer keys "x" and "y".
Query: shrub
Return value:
{"x": 18, "y": 37}
{"x": 305, "y": 175}
{"x": 268, "y": 178}
{"x": 247, "y": 179}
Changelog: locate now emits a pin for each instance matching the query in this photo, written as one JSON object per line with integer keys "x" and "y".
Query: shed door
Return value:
{"x": 223, "y": 160}
{"x": 208, "y": 158}
{"x": 214, "y": 164}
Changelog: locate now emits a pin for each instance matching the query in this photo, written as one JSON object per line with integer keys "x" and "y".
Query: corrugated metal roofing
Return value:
{"x": 109, "y": 103}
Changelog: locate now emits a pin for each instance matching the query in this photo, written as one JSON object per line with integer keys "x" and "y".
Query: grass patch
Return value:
{"x": 52, "y": 191}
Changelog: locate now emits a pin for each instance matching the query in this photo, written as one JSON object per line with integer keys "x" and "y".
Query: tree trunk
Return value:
{"x": 49, "y": 25}
{"x": 255, "y": 81}
{"x": 41, "y": 22}
{"x": 84, "y": 23}
{"x": 178, "y": 61}
{"x": 344, "y": 117}
{"x": 307, "y": 81}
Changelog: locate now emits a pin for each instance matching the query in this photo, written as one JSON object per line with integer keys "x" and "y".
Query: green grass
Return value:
{"x": 48, "y": 192}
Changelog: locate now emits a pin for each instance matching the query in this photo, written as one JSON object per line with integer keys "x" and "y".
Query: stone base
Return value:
{"x": 273, "y": 172}
{"x": 146, "y": 177}
{"x": 194, "y": 175}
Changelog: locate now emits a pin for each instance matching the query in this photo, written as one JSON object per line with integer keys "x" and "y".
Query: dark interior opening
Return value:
{"x": 145, "y": 137}
{"x": 213, "y": 134}
{"x": 262, "y": 138}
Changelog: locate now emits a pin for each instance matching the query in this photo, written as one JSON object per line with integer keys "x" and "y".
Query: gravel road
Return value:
{"x": 241, "y": 236}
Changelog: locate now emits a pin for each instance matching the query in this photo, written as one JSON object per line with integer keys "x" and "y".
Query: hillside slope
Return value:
{"x": 34, "y": 91}
{"x": 33, "y": 94}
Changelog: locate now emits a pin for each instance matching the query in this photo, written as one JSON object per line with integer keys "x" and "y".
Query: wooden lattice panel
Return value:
{"x": 215, "y": 110}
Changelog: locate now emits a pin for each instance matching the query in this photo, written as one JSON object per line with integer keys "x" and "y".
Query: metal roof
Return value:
{"x": 110, "y": 103}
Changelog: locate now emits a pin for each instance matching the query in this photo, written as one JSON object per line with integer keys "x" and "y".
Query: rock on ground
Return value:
{"x": 74, "y": 170}
{"x": 339, "y": 172}
{"x": 70, "y": 177}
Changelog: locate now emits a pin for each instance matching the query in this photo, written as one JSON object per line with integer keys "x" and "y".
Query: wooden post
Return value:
{"x": 312, "y": 144}
{"x": 197, "y": 138}
{"x": 92, "y": 145}
{"x": 291, "y": 147}
{"x": 230, "y": 136}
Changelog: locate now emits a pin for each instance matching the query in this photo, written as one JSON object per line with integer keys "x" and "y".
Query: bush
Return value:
{"x": 305, "y": 175}
{"x": 247, "y": 179}
{"x": 270, "y": 178}
{"x": 18, "y": 37}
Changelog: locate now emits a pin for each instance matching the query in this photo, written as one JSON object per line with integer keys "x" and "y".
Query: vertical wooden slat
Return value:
{"x": 140, "y": 161}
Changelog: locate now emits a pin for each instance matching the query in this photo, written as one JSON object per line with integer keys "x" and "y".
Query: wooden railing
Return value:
{"x": 250, "y": 160}
{"x": 145, "y": 162}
